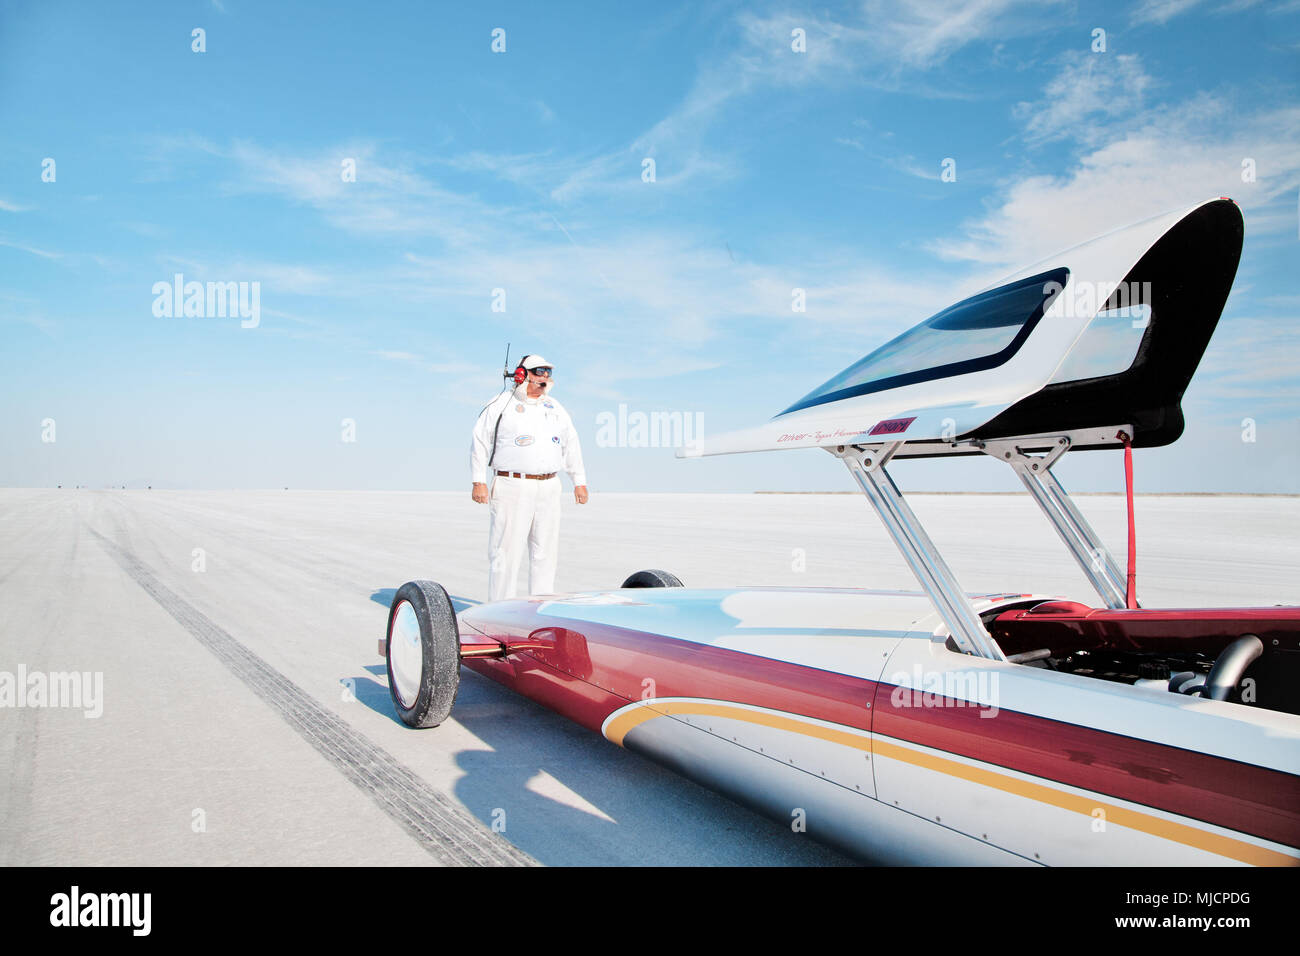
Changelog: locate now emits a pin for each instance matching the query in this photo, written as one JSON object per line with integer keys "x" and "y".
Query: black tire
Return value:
{"x": 439, "y": 660}
{"x": 653, "y": 579}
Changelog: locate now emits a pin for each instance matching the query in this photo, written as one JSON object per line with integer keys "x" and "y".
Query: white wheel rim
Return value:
{"x": 406, "y": 655}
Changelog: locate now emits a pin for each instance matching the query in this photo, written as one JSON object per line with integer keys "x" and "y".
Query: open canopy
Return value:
{"x": 1103, "y": 335}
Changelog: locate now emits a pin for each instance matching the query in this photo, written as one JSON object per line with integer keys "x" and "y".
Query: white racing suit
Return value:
{"x": 524, "y": 436}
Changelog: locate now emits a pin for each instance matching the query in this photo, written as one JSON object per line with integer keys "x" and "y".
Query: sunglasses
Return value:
{"x": 544, "y": 372}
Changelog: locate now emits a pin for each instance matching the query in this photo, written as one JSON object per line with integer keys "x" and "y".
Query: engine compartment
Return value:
{"x": 1162, "y": 650}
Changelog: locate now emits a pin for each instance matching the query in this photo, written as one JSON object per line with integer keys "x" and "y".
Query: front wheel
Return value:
{"x": 653, "y": 579}
{"x": 423, "y": 654}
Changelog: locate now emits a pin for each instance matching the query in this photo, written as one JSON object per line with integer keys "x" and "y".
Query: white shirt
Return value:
{"x": 535, "y": 436}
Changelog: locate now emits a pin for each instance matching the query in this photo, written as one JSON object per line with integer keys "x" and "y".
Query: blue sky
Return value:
{"x": 522, "y": 170}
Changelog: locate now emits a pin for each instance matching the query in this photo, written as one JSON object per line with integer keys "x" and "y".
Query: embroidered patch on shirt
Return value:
{"x": 548, "y": 404}
{"x": 523, "y": 440}
{"x": 519, "y": 408}
{"x": 556, "y": 439}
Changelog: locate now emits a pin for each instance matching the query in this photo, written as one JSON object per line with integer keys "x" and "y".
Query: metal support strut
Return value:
{"x": 1035, "y": 472}
{"x": 867, "y": 464}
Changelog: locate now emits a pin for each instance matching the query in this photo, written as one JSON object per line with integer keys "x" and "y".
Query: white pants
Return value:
{"x": 524, "y": 511}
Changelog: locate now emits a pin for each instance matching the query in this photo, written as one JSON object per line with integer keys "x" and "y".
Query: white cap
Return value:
{"x": 535, "y": 361}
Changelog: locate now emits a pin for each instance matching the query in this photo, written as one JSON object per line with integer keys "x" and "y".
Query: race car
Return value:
{"x": 938, "y": 726}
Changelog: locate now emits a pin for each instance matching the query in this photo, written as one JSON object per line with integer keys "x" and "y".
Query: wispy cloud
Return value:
{"x": 32, "y": 250}
{"x": 1161, "y": 11}
{"x": 396, "y": 356}
{"x": 387, "y": 197}
{"x": 906, "y": 164}
{"x": 1249, "y": 368}
{"x": 924, "y": 33}
{"x": 1164, "y": 11}
{"x": 872, "y": 45}
{"x": 39, "y": 322}
{"x": 1168, "y": 158}
{"x": 149, "y": 230}
{"x": 439, "y": 368}
{"x": 1089, "y": 91}
{"x": 287, "y": 278}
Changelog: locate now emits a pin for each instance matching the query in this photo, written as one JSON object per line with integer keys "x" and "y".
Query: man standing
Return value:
{"x": 524, "y": 438}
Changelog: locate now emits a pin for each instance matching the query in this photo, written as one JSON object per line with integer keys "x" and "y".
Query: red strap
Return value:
{"x": 1130, "y": 598}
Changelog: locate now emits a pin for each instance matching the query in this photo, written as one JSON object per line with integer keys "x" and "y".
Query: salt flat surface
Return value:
{"x": 303, "y": 579}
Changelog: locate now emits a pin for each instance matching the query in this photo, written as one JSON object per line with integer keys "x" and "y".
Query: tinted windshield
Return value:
{"x": 977, "y": 333}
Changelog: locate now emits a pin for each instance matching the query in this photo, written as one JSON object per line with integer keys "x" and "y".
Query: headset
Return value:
{"x": 520, "y": 375}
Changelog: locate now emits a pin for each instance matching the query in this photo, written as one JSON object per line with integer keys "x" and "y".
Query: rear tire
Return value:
{"x": 653, "y": 579}
{"x": 423, "y": 654}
